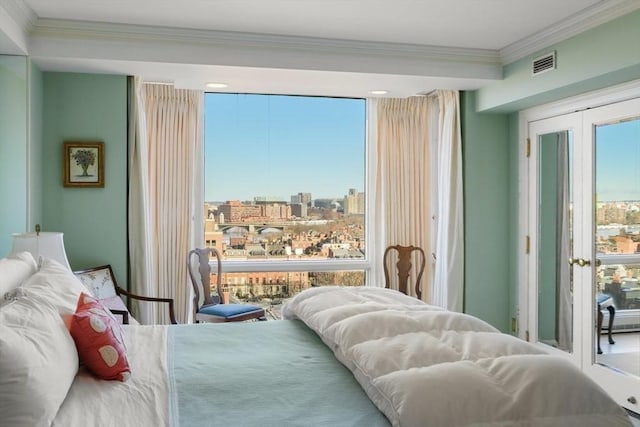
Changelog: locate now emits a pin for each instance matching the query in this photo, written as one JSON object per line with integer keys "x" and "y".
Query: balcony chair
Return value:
{"x": 215, "y": 310}
{"x": 605, "y": 301}
{"x": 404, "y": 266}
{"x": 101, "y": 283}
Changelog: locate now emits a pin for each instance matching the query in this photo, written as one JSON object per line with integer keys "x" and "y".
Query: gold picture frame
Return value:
{"x": 83, "y": 164}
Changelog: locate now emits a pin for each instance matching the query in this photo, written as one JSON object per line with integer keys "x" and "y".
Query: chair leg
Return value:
{"x": 600, "y": 316}
{"x": 612, "y": 314}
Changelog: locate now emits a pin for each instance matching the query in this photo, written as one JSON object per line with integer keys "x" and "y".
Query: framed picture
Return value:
{"x": 83, "y": 164}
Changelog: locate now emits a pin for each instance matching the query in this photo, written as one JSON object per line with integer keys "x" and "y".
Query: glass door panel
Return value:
{"x": 555, "y": 228}
{"x": 583, "y": 225}
{"x": 611, "y": 196}
{"x": 554, "y": 299}
{"x": 617, "y": 245}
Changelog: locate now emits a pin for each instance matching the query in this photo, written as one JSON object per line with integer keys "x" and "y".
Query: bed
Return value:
{"x": 343, "y": 357}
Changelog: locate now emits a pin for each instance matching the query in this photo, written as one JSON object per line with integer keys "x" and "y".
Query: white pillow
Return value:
{"x": 14, "y": 270}
{"x": 38, "y": 362}
{"x": 57, "y": 285}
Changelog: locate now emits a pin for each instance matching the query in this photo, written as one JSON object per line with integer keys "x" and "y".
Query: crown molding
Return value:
{"x": 85, "y": 30}
{"x": 16, "y": 20}
{"x": 587, "y": 19}
{"x": 21, "y": 13}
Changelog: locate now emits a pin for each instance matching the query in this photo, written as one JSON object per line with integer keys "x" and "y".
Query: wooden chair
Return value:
{"x": 404, "y": 267}
{"x": 101, "y": 283}
{"x": 219, "y": 310}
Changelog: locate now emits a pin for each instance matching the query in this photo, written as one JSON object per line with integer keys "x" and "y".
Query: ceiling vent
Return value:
{"x": 544, "y": 63}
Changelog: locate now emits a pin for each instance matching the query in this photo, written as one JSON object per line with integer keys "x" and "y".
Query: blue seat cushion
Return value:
{"x": 604, "y": 300}
{"x": 228, "y": 310}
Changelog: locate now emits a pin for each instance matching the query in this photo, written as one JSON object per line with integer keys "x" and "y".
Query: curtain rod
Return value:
{"x": 157, "y": 83}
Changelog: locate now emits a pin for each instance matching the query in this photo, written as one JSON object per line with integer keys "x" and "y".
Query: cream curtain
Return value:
{"x": 448, "y": 281}
{"x": 416, "y": 185}
{"x": 401, "y": 193}
{"x": 164, "y": 186}
{"x": 376, "y": 224}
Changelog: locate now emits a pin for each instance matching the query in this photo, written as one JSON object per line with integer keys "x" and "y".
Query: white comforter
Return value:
{"x": 424, "y": 366}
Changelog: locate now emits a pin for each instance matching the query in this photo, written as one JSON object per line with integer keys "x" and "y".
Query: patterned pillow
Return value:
{"x": 98, "y": 338}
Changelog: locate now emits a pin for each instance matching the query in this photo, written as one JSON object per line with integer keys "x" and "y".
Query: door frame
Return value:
{"x": 612, "y": 95}
{"x": 572, "y": 122}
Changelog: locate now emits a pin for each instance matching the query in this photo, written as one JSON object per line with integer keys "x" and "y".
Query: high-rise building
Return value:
{"x": 354, "y": 203}
{"x": 304, "y": 198}
{"x": 299, "y": 210}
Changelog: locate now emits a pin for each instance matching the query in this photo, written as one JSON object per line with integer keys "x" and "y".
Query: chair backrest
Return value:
{"x": 404, "y": 266}
{"x": 101, "y": 283}
{"x": 201, "y": 281}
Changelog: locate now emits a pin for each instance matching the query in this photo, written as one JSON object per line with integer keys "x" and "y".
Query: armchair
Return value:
{"x": 101, "y": 283}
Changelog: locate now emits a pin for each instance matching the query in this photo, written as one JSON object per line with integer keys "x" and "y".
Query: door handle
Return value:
{"x": 582, "y": 262}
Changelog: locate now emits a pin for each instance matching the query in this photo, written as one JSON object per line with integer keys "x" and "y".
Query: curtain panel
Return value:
{"x": 402, "y": 181}
{"x": 448, "y": 281}
{"x": 416, "y": 186}
{"x": 165, "y": 173}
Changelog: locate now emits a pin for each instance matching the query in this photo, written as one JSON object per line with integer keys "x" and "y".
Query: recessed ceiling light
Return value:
{"x": 216, "y": 85}
{"x": 378, "y": 92}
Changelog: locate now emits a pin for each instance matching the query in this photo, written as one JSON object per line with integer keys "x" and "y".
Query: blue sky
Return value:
{"x": 271, "y": 145}
{"x": 618, "y": 161}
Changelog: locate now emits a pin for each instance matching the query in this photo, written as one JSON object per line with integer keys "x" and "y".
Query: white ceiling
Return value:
{"x": 323, "y": 47}
{"x": 484, "y": 24}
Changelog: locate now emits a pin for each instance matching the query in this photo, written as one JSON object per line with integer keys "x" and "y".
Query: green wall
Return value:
{"x": 487, "y": 187}
{"x": 603, "y": 56}
{"x": 513, "y": 203}
{"x": 87, "y": 107}
{"x": 13, "y": 149}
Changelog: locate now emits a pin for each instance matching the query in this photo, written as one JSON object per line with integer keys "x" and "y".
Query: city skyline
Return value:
{"x": 253, "y": 146}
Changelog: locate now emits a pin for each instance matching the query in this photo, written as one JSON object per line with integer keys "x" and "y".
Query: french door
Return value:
{"x": 583, "y": 226}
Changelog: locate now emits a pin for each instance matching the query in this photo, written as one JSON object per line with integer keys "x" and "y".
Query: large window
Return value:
{"x": 285, "y": 192}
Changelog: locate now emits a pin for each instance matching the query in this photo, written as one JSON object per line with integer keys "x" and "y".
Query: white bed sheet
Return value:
{"x": 141, "y": 401}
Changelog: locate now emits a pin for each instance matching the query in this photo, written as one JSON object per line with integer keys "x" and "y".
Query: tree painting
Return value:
{"x": 83, "y": 164}
{"x": 84, "y": 159}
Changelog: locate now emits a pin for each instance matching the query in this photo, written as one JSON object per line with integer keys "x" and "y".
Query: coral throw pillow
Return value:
{"x": 98, "y": 338}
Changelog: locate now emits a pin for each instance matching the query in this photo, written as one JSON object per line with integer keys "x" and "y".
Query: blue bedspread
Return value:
{"x": 275, "y": 373}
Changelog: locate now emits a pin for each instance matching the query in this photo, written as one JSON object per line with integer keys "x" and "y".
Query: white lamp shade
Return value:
{"x": 45, "y": 244}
